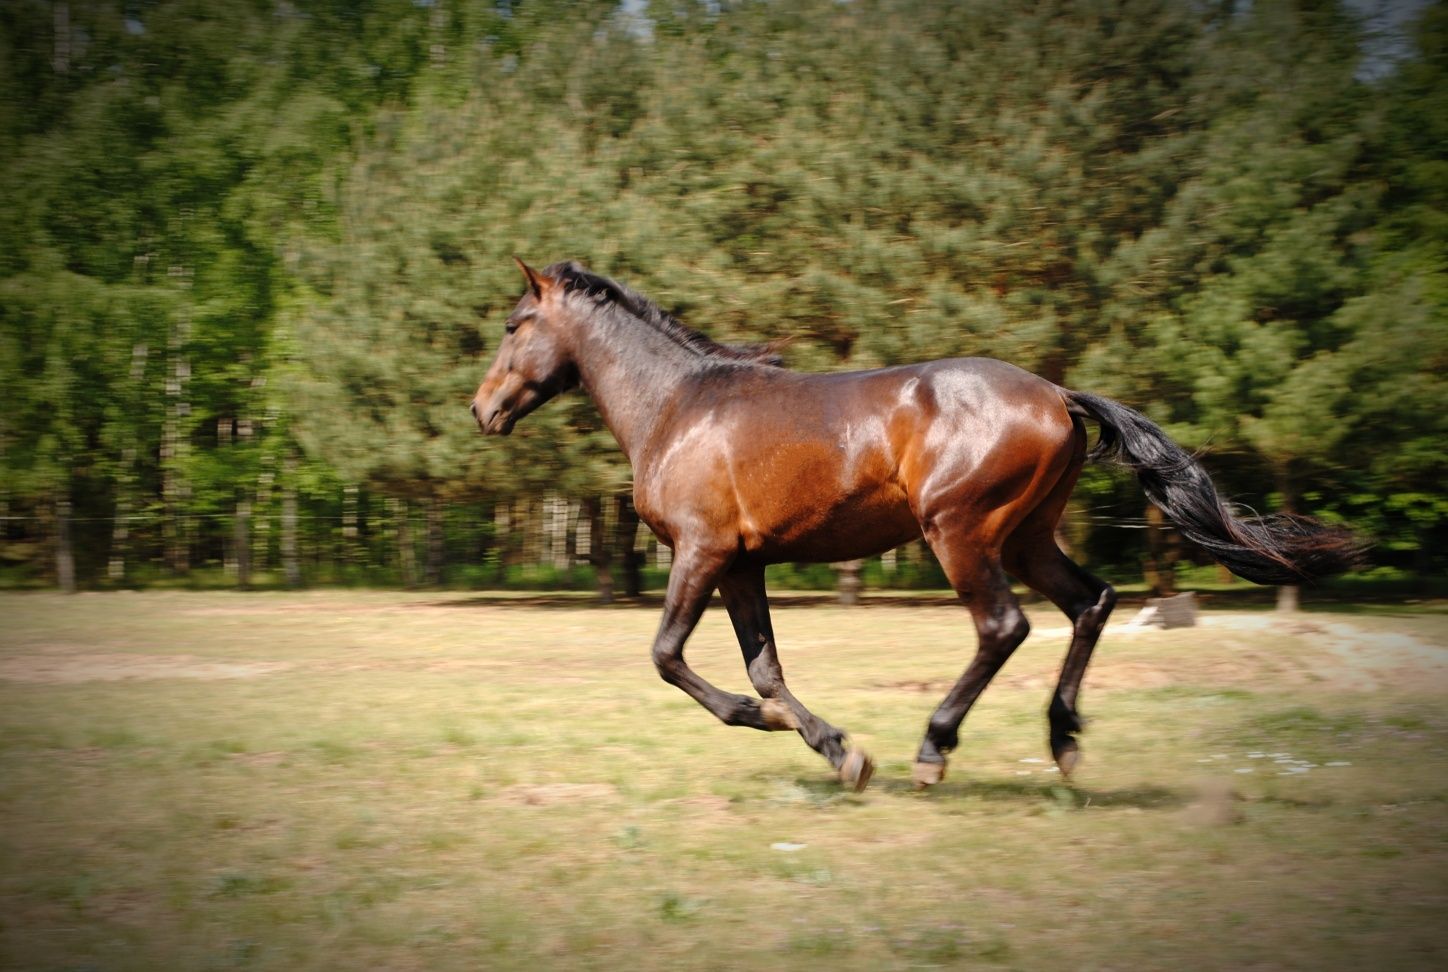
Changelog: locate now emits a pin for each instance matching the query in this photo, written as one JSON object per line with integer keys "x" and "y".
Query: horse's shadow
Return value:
{"x": 1025, "y": 793}
{"x": 573, "y": 600}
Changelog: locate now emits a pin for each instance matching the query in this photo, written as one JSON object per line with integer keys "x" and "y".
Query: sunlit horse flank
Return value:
{"x": 739, "y": 463}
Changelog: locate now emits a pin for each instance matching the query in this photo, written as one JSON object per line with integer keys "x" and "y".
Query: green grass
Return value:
{"x": 348, "y": 780}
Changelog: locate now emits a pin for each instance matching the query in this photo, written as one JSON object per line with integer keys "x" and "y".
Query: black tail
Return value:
{"x": 1278, "y": 549}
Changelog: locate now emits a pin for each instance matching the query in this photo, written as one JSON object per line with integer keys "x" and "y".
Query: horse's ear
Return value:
{"x": 537, "y": 282}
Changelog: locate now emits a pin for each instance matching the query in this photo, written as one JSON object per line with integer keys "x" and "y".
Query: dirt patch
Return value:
{"x": 271, "y": 757}
{"x": 1336, "y": 652}
{"x": 115, "y": 667}
{"x": 705, "y": 803}
{"x": 552, "y": 794}
{"x": 1371, "y": 658}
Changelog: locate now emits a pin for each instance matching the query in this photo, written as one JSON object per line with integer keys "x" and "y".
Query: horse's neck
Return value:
{"x": 632, "y": 372}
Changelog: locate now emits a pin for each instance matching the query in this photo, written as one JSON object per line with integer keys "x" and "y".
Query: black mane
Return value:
{"x": 605, "y": 292}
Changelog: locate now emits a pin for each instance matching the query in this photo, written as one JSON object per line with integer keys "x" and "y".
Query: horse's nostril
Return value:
{"x": 474, "y": 409}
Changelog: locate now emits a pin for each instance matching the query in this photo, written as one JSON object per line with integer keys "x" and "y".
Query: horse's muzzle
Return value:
{"x": 494, "y": 422}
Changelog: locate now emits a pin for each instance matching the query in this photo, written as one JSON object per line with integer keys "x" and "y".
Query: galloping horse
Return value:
{"x": 739, "y": 463}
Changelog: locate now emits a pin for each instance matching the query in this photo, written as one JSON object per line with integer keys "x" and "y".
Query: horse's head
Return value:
{"x": 534, "y": 361}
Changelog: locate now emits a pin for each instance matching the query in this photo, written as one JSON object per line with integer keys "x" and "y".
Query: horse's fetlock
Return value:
{"x": 1064, "y": 720}
{"x": 944, "y": 733}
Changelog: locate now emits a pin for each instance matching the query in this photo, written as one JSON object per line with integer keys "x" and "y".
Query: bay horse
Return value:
{"x": 738, "y": 463}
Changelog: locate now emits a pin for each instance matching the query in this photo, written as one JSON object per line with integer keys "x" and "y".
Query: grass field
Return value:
{"x": 448, "y": 781}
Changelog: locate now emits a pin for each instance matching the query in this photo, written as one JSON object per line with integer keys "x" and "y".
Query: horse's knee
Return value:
{"x": 1003, "y": 633}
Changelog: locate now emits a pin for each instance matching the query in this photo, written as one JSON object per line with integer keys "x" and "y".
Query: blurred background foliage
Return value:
{"x": 256, "y": 254}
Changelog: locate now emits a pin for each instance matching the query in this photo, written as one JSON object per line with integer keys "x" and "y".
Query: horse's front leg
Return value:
{"x": 742, "y": 588}
{"x": 692, "y": 579}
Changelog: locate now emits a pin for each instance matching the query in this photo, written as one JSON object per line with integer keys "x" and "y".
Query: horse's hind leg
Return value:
{"x": 1087, "y": 601}
{"x": 742, "y": 588}
{"x": 975, "y": 573}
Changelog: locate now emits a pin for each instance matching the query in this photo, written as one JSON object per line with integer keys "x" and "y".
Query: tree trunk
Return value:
{"x": 291, "y": 564}
{"x": 435, "y": 541}
{"x": 526, "y": 524}
{"x": 64, "y": 551}
{"x": 265, "y": 483}
{"x": 126, "y": 498}
{"x": 600, "y": 553}
{"x": 349, "y": 525}
{"x": 60, "y": 60}
{"x": 555, "y": 531}
{"x": 121, "y": 525}
{"x": 573, "y": 513}
{"x": 626, "y": 538}
{"x": 241, "y": 540}
{"x": 174, "y": 492}
{"x": 406, "y": 553}
{"x": 1161, "y": 553}
{"x": 503, "y": 536}
{"x": 1288, "y": 595}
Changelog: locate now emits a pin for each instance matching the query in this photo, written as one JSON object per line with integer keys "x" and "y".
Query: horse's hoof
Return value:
{"x": 928, "y": 774}
{"x": 1068, "y": 757}
{"x": 777, "y": 715}
{"x": 856, "y": 770}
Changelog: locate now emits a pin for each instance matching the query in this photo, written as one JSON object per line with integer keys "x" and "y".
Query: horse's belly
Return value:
{"x": 859, "y": 525}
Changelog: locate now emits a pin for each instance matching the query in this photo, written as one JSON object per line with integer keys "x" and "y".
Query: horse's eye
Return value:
{"x": 511, "y": 326}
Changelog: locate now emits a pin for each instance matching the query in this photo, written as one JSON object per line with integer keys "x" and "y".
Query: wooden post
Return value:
{"x": 849, "y": 581}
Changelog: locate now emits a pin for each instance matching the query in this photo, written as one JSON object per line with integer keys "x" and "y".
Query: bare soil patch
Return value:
{"x": 1346, "y": 656}
{"x": 120, "y": 666}
{"x": 549, "y": 794}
